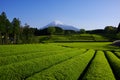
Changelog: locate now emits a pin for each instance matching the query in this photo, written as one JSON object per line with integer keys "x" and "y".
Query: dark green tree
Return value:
{"x": 118, "y": 35}
{"x": 82, "y": 31}
{"x": 28, "y": 34}
{"x": 16, "y": 28}
{"x": 0, "y": 30}
{"x": 118, "y": 32}
{"x": 110, "y": 32}
{"x": 58, "y": 31}
{"x": 8, "y": 30}
{"x": 118, "y": 29}
{"x": 110, "y": 29}
{"x": 3, "y": 27}
{"x": 51, "y": 30}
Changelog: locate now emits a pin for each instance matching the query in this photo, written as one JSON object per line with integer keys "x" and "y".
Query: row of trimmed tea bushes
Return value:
{"x": 21, "y": 48}
{"x": 24, "y": 47}
{"x": 114, "y": 62}
{"x": 68, "y": 70}
{"x": 9, "y": 50}
{"x": 21, "y": 70}
{"x": 23, "y": 57}
{"x": 99, "y": 69}
{"x": 88, "y": 45}
{"x": 117, "y": 54}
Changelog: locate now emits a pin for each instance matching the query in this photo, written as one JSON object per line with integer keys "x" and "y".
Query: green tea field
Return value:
{"x": 60, "y": 61}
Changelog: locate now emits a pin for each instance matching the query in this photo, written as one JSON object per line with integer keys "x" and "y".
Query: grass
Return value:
{"x": 117, "y": 54}
{"x": 68, "y": 70}
{"x": 99, "y": 69}
{"x": 62, "y": 61}
{"x": 90, "y": 45}
{"x": 23, "y": 57}
{"x": 115, "y": 63}
{"x": 8, "y": 50}
{"x": 21, "y": 70}
{"x": 72, "y": 38}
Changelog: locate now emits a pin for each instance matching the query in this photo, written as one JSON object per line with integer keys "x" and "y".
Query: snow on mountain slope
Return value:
{"x": 61, "y": 25}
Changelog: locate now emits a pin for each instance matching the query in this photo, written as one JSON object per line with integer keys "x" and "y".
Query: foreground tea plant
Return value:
{"x": 21, "y": 70}
{"x": 99, "y": 69}
{"x": 68, "y": 70}
{"x": 114, "y": 62}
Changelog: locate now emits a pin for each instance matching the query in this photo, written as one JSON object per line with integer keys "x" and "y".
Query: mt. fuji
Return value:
{"x": 61, "y": 25}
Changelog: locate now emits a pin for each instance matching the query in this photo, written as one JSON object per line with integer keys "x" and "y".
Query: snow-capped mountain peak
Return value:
{"x": 61, "y": 25}
{"x": 56, "y": 22}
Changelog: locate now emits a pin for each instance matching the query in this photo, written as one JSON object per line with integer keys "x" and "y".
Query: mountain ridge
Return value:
{"x": 61, "y": 25}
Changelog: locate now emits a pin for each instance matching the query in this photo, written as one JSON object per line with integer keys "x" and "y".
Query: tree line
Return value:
{"x": 14, "y": 33}
{"x": 111, "y": 32}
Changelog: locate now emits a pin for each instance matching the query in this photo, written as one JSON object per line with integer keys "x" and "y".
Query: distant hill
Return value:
{"x": 61, "y": 25}
{"x": 73, "y": 38}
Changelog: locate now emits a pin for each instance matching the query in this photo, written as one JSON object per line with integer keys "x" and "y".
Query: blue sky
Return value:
{"x": 87, "y": 14}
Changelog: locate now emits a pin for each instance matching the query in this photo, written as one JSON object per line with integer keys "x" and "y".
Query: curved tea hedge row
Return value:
{"x": 68, "y": 70}
{"x": 23, "y": 57}
{"x": 115, "y": 63}
{"x": 59, "y": 61}
{"x": 21, "y": 70}
{"x": 9, "y": 50}
{"x": 117, "y": 54}
{"x": 99, "y": 69}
